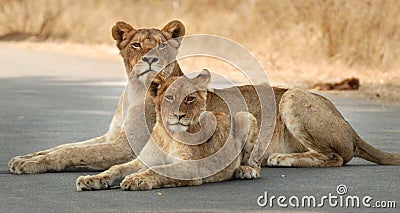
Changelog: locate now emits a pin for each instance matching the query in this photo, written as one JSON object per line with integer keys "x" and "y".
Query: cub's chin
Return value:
{"x": 176, "y": 128}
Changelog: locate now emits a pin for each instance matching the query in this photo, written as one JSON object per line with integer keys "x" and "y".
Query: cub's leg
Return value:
{"x": 314, "y": 122}
{"x": 109, "y": 178}
{"x": 246, "y": 172}
{"x": 150, "y": 154}
{"x": 161, "y": 173}
{"x": 150, "y": 179}
{"x": 246, "y": 131}
{"x": 90, "y": 155}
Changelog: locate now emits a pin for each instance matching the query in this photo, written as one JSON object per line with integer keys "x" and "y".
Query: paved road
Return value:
{"x": 41, "y": 112}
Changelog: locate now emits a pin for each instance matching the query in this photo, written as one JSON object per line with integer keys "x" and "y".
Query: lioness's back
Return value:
{"x": 215, "y": 101}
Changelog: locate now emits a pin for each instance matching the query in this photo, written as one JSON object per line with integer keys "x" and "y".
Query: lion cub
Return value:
{"x": 188, "y": 145}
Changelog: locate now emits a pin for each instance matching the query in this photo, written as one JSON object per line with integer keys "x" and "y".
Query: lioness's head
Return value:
{"x": 147, "y": 50}
{"x": 179, "y": 101}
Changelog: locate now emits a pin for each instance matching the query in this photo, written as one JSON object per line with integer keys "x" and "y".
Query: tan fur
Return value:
{"x": 307, "y": 124}
{"x": 310, "y": 132}
{"x": 138, "y": 176}
{"x": 112, "y": 148}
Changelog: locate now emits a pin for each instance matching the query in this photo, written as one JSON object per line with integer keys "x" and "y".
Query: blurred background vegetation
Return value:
{"x": 299, "y": 42}
{"x": 356, "y": 33}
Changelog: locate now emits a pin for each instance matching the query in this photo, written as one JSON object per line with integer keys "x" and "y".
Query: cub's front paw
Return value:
{"x": 19, "y": 165}
{"x": 277, "y": 159}
{"x": 136, "y": 182}
{"x": 247, "y": 172}
{"x": 87, "y": 183}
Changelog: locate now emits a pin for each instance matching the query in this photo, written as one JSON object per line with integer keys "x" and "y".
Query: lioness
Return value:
{"x": 113, "y": 148}
{"x": 180, "y": 105}
{"x": 309, "y": 130}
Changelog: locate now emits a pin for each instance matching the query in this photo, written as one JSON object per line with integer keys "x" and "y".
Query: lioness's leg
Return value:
{"x": 63, "y": 146}
{"x": 314, "y": 122}
{"x": 109, "y": 178}
{"x": 93, "y": 156}
{"x": 246, "y": 131}
{"x": 17, "y": 163}
{"x": 305, "y": 159}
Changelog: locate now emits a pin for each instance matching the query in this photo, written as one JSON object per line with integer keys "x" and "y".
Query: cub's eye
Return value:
{"x": 162, "y": 46}
{"x": 190, "y": 99}
{"x": 169, "y": 98}
{"x": 136, "y": 45}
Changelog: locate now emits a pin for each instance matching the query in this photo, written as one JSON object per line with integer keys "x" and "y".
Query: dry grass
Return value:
{"x": 357, "y": 33}
{"x": 297, "y": 40}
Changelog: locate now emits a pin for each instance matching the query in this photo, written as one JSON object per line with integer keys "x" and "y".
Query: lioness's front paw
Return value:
{"x": 277, "y": 159}
{"x": 86, "y": 183}
{"x": 14, "y": 159}
{"x": 136, "y": 182}
{"x": 247, "y": 172}
{"x": 20, "y": 165}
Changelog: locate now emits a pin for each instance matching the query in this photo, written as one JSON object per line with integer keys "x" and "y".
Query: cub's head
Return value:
{"x": 179, "y": 101}
{"x": 147, "y": 50}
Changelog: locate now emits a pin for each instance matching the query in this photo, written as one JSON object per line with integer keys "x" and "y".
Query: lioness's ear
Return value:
{"x": 203, "y": 79}
{"x": 156, "y": 85}
{"x": 173, "y": 29}
{"x": 119, "y": 31}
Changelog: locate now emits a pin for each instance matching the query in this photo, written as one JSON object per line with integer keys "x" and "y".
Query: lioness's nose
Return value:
{"x": 150, "y": 60}
{"x": 179, "y": 115}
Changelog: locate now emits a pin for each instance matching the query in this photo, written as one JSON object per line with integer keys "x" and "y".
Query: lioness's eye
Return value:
{"x": 162, "y": 46}
{"x": 169, "y": 97}
{"x": 190, "y": 99}
{"x": 136, "y": 45}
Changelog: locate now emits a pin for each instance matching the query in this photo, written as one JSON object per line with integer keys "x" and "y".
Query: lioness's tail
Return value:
{"x": 370, "y": 153}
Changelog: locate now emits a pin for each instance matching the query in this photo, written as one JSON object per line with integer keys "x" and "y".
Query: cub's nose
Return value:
{"x": 150, "y": 60}
{"x": 179, "y": 115}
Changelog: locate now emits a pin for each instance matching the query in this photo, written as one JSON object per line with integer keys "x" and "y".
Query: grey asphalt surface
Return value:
{"x": 39, "y": 112}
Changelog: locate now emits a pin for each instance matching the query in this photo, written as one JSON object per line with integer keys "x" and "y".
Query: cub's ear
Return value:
{"x": 173, "y": 29}
{"x": 119, "y": 31}
{"x": 203, "y": 79}
{"x": 155, "y": 85}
